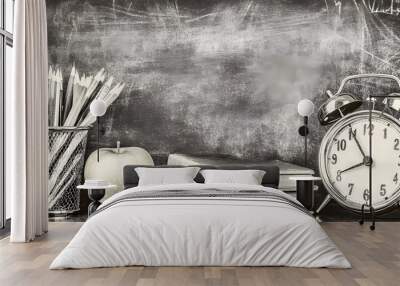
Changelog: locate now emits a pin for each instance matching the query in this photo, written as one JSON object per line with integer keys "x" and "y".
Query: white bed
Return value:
{"x": 184, "y": 230}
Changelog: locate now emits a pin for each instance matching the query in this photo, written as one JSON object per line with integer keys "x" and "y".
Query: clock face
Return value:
{"x": 344, "y": 160}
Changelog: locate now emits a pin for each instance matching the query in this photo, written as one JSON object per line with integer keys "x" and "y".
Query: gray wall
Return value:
{"x": 221, "y": 76}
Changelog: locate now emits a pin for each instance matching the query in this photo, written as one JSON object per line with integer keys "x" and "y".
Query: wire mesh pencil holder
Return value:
{"x": 67, "y": 146}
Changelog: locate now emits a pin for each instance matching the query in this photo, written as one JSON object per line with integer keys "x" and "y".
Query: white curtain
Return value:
{"x": 26, "y": 127}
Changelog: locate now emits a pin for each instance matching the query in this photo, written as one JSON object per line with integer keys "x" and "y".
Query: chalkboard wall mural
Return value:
{"x": 222, "y": 76}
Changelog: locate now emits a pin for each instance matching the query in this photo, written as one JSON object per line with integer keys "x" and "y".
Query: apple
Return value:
{"x": 111, "y": 164}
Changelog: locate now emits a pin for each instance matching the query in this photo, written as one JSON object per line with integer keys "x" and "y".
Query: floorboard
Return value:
{"x": 375, "y": 257}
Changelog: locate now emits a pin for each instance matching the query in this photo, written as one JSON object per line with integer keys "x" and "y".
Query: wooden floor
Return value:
{"x": 375, "y": 257}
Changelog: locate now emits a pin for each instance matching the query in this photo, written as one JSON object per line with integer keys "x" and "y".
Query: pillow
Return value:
{"x": 247, "y": 177}
{"x": 165, "y": 176}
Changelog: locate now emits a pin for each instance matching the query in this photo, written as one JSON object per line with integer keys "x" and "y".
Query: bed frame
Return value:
{"x": 271, "y": 177}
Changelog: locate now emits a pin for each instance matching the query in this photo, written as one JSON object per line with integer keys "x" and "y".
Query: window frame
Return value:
{"x": 6, "y": 39}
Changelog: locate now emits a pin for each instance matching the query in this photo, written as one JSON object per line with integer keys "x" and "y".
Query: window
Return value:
{"x": 6, "y": 66}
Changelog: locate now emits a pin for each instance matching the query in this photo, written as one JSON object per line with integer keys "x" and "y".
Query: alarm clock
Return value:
{"x": 355, "y": 177}
{"x": 344, "y": 160}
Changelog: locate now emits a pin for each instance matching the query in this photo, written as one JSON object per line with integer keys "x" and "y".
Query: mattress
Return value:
{"x": 286, "y": 169}
{"x": 201, "y": 225}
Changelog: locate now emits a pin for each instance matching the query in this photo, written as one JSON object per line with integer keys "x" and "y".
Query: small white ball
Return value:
{"x": 98, "y": 107}
{"x": 305, "y": 107}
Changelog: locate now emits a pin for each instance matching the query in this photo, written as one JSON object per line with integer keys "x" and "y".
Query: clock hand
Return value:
{"x": 352, "y": 167}
{"x": 358, "y": 144}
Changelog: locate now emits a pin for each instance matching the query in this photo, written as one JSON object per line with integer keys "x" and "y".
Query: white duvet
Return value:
{"x": 200, "y": 231}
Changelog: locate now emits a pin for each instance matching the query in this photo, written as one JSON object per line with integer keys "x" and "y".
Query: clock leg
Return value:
{"x": 372, "y": 210}
{"x": 372, "y": 227}
{"x": 322, "y": 206}
{"x": 362, "y": 214}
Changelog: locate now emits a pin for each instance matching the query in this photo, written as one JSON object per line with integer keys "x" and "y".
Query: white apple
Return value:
{"x": 111, "y": 164}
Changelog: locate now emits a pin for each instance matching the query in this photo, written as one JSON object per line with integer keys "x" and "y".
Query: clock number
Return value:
{"x": 334, "y": 159}
{"x": 369, "y": 127}
{"x": 385, "y": 133}
{"x": 382, "y": 192}
{"x": 352, "y": 133}
{"x": 395, "y": 178}
{"x": 341, "y": 144}
{"x": 366, "y": 195}
{"x": 351, "y": 186}
{"x": 396, "y": 144}
{"x": 338, "y": 176}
